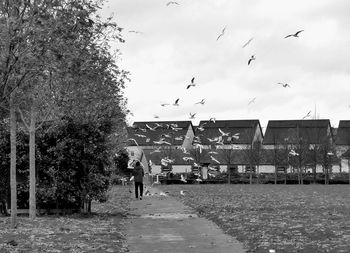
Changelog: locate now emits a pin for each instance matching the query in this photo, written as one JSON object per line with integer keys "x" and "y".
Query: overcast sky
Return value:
{"x": 178, "y": 42}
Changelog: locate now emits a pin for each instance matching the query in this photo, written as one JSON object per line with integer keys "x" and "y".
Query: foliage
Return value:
{"x": 121, "y": 160}
{"x": 102, "y": 231}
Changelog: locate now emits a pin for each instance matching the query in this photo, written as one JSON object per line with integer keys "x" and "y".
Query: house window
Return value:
{"x": 249, "y": 169}
{"x": 132, "y": 153}
{"x": 281, "y": 170}
{"x": 148, "y": 140}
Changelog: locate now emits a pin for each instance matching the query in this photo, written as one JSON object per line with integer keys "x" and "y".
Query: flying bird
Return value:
{"x": 183, "y": 180}
{"x": 212, "y": 120}
{"x": 307, "y": 115}
{"x": 176, "y": 103}
{"x": 252, "y": 58}
{"x": 246, "y": 44}
{"x": 192, "y": 84}
{"x": 221, "y": 34}
{"x": 252, "y": 101}
{"x": 192, "y": 115}
{"x": 136, "y": 32}
{"x": 294, "y": 35}
{"x": 169, "y": 3}
{"x": 214, "y": 159}
{"x": 223, "y": 133}
{"x": 236, "y": 136}
{"x": 164, "y": 104}
{"x": 293, "y": 153}
{"x": 156, "y": 116}
{"x": 188, "y": 159}
{"x": 202, "y": 102}
{"x": 131, "y": 139}
{"x": 284, "y": 85}
{"x": 140, "y": 135}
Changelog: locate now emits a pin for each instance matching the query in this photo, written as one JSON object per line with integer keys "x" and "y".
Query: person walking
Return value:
{"x": 138, "y": 174}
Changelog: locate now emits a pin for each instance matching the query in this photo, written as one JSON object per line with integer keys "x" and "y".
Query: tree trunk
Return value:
{"x": 229, "y": 174}
{"x": 13, "y": 181}
{"x": 32, "y": 171}
{"x": 275, "y": 174}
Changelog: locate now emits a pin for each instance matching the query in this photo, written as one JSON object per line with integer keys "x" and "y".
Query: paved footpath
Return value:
{"x": 163, "y": 224}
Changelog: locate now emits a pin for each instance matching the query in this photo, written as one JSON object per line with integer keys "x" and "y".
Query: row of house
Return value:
{"x": 240, "y": 145}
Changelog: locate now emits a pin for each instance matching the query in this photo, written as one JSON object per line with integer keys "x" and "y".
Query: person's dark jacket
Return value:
{"x": 138, "y": 174}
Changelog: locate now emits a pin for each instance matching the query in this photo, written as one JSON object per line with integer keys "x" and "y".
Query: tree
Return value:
{"x": 52, "y": 39}
{"x": 121, "y": 162}
{"x": 227, "y": 155}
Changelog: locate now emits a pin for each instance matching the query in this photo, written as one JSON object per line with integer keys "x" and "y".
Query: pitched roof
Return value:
{"x": 245, "y": 129}
{"x": 172, "y": 132}
{"x": 343, "y": 133}
{"x": 282, "y": 131}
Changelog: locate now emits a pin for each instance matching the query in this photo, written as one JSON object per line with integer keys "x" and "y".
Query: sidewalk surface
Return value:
{"x": 163, "y": 224}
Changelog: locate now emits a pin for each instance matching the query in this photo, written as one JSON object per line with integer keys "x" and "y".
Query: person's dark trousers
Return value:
{"x": 138, "y": 185}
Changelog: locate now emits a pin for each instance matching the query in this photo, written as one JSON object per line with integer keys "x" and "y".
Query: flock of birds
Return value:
{"x": 249, "y": 62}
{"x": 163, "y": 139}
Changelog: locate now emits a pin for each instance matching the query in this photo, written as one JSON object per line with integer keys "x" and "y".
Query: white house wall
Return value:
{"x": 187, "y": 143}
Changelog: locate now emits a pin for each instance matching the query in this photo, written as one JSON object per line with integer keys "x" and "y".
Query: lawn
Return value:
{"x": 286, "y": 218}
{"x": 102, "y": 231}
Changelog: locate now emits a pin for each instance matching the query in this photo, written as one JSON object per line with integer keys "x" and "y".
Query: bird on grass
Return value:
{"x": 192, "y": 84}
{"x": 183, "y": 193}
{"x": 246, "y": 44}
{"x": 252, "y": 58}
{"x": 221, "y": 34}
{"x": 294, "y": 35}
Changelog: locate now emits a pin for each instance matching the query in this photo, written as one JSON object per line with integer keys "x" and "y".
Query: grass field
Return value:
{"x": 286, "y": 218}
{"x": 102, "y": 231}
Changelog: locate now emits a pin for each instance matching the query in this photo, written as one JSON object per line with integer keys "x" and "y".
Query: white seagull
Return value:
{"x": 284, "y": 85}
{"x": 131, "y": 139}
{"x": 188, "y": 159}
{"x": 192, "y": 84}
{"x": 140, "y": 135}
{"x": 294, "y": 35}
{"x": 223, "y": 133}
{"x": 214, "y": 159}
{"x": 251, "y": 59}
{"x": 169, "y": 3}
{"x": 176, "y": 103}
{"x": 192, "y": 115}
{"x": 221, "y": 34}
{"x": 202, "y": 102}
{"x": 246, "y": 44}
{"x": 252, "y": 101}
{"x": 307, "y": 115}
